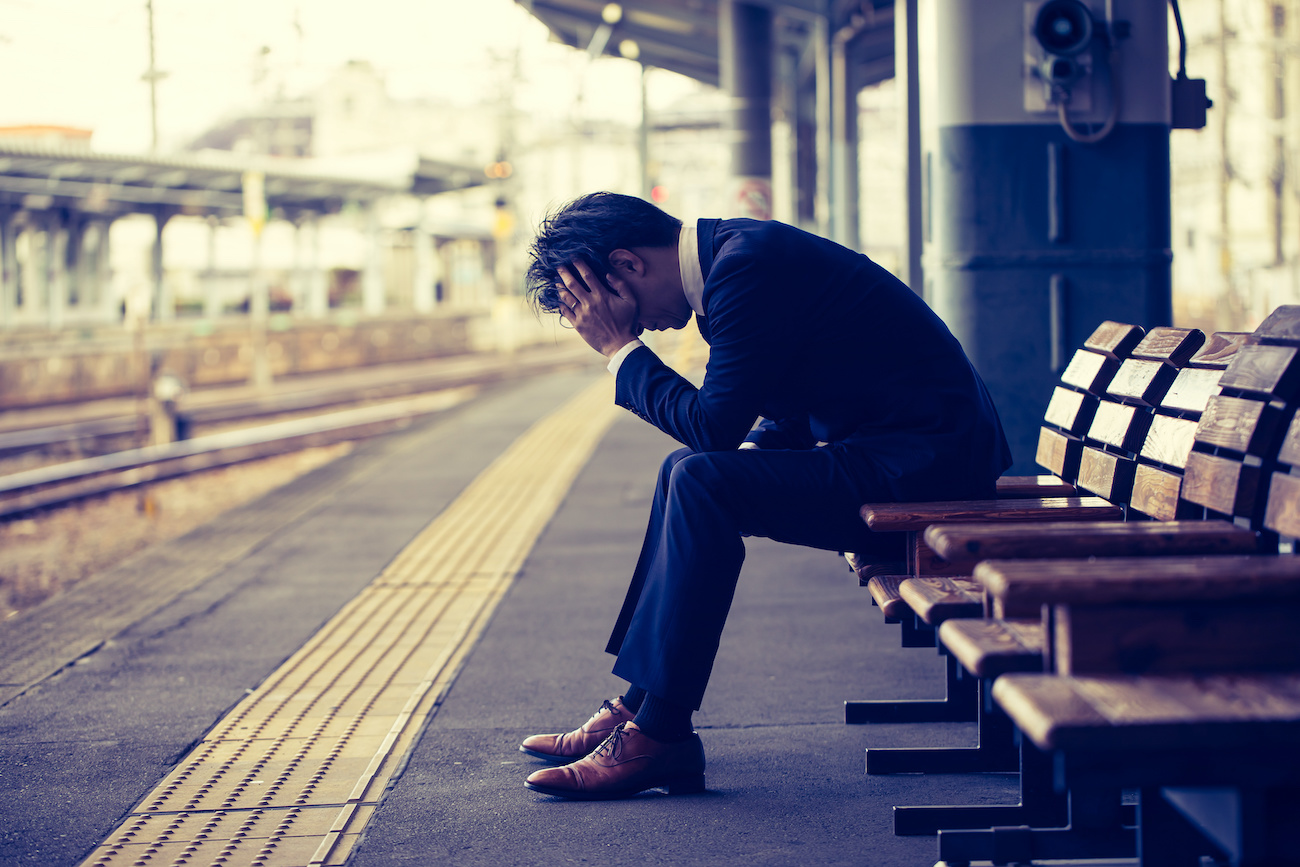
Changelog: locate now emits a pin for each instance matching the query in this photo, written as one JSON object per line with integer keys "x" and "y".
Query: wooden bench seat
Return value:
{"x": 992, "y": 648}
{"x": 936, "y": 598}
{"x": 965, "y": 545}
{"x": 1166, "y": 712}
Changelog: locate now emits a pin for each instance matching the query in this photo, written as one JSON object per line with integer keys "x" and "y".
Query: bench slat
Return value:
{"x": 1283, "y": 512}
{"x": 889, "y": 517}
{"x": 1059, "y": 453}
{"x": 1219, "y": 349}
{"x": 1169, "y": 440}
{"x": 1026, "y": 487}
{"x": 1289, "y": 452}
{"x": 1119, "y": 425}
{"x": 992, "y": 648}
{"x": 1221, "y": 485}
{"x": 967, "y": 544}
{"x": 884, "y": 590}
{"x": 1115, "y": 339}
{"x": 1216, "y": 712}
{"x": 1142, "y": 381}
{"x": 1107, "y": 474}
{"x": 1071, "y": 411}
{"x": 1282, "y": 325}
{"x": 1177, "y": 635}
{"x": 1246, "y": 426}
{"x": 1263, "y": 370}
{"x": 1138, "y": 579}
{"x": 1172, "y": 346}
{"x": 938, "y": 598}
{"x": 1155, "y": 494}
{"x": 1191, "y": 390}
{"x": 1090, "y": 371}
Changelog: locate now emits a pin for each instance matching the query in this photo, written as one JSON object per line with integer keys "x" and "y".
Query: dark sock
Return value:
{"x": 663, "y": 721}
{"x": 633, "y": 697}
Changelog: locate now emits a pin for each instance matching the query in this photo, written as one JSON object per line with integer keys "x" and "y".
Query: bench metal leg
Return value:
{"x": 917, "y": 633}
{"x": 1166, "y": 837}
{"x": 1040, "y": 804}
{"x": 1097, "y": 826}
{"x": 996, "y": 751}
{"x": 960, "y": 703}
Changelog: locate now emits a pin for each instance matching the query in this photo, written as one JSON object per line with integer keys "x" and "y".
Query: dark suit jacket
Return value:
{"x": 825, "y": 346}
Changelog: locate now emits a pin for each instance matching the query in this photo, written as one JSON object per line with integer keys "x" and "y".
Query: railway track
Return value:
{"x": 243, "y": 427}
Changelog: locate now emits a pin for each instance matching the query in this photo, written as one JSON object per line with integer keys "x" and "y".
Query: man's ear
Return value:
{"x": 625, "y": 263}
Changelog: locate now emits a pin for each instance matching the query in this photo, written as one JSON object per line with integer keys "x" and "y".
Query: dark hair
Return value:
{"x": 591, "y": 227}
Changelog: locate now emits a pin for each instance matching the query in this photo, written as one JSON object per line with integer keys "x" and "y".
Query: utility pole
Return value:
{"x": 152, "y": 75}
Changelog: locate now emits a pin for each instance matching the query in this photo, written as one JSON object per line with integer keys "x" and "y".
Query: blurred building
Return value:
{"x": 1236, "y": 187}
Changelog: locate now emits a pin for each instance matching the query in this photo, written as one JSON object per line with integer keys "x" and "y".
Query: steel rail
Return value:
{"x": 42, "y": 487}
{"x": 385, "y": 384}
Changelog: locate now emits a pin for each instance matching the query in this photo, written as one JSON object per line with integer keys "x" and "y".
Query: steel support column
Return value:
{"x": 745, "y": 49}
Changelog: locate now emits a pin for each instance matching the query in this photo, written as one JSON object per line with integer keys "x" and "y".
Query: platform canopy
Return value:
{"x": 41, "y": 177}
{"x": 682, "y": 35}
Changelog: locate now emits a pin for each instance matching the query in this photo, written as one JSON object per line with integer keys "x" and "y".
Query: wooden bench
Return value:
{"x": 1097, "y": 424}
{"x": 1173, "y": 620}
{"x": 1161, "y": 673}
{"x": 988, "y": 649}
{"x": 1082, "y": 386}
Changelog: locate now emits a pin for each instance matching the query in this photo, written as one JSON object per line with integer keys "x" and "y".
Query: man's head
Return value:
{"x": 590, "y": 228}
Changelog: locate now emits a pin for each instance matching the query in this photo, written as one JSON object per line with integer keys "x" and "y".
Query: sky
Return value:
{"x": 81, "y": 62}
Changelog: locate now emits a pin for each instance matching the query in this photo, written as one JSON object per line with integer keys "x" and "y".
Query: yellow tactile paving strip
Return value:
{"x": 293, "y": 773}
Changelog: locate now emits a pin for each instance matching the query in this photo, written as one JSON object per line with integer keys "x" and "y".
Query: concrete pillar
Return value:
{"x": 81, "y": 290}
{"x": 8, "y": 268}
{"x": 1042, "y": 227}
{"x": 908, "y": 84}
{"x": 104, "y": 271}
{"x": 422, "y": 298}
{"x": 163, "y": 309}
{"x": 259, "y": 304}
{"x": 785, "y": 145}
{"x": 297, "y": 279}
{"x": 745, "y": 48}
{"x": 211, "y": 290}
{"x": 56, "y": 270}
{"x": 372, "y": 278}
{"x": 844, "y": 143}
{"x": 318, "y": 301}
{"x": 822, "y": 124}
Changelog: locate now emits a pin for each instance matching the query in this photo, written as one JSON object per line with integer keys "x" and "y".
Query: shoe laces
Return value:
{"x": 612, "y": 745}
{"x": 606, "y": 705}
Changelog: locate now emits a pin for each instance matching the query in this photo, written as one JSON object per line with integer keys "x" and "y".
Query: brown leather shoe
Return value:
{"x": 626, "y": 762}
{"x": 571, "y": 746}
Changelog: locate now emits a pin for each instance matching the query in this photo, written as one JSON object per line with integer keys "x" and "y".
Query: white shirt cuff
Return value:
{"x": 616, "y": 361}
{"x": 748, "y": 445}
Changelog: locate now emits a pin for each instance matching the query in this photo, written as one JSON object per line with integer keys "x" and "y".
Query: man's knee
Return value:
{"x": 695, "y": 471}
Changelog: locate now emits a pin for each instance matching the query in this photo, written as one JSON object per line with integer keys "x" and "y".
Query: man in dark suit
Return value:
{"x": 829, "y": 384}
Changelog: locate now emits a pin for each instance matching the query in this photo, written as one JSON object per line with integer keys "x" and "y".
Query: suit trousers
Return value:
{"x": 668, "y": 632}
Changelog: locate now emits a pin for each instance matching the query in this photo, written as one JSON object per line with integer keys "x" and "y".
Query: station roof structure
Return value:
{"x": 682, "y": 35}
{"x": 41, "y": 176}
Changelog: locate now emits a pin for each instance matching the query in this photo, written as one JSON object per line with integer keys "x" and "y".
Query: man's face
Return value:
{"x": 659, "y": 311}
{"x": 661, "y": 304}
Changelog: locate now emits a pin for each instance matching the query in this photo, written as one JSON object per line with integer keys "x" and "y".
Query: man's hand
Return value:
{"x": 604, "y": 318}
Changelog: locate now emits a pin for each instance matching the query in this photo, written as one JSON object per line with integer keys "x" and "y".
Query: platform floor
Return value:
{"x": 84, "y": 742}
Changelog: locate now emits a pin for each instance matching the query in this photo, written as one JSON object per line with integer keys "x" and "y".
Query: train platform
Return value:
{"x": 341, "y": 672}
